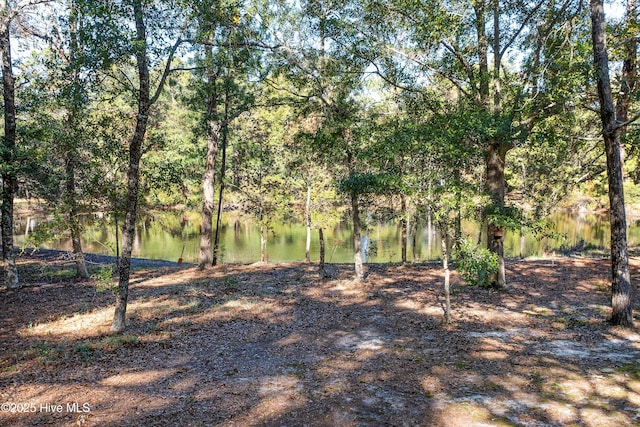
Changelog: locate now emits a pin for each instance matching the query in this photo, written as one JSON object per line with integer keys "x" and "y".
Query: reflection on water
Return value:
{"x": 170, "y": 235}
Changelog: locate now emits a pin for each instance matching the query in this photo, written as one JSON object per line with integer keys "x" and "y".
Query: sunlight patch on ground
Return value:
{"x": 137, "y": 378}
{"x": 614, "y": 350}
{"x": 595, "y": 417}
{"x": 366, "y": 339}
{"x": 90, "y": 324}
{"x": 409, "y": 304}
{"x": 279, "y": 384}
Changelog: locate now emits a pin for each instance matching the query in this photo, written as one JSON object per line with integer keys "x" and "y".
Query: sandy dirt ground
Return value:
{"x": 273, "y": 345}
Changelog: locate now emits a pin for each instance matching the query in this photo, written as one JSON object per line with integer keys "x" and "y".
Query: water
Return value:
{"x": 171, "y": 235}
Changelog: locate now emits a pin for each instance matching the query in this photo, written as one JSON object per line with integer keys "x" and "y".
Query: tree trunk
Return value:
{"x": 357, "y": 257}
{"x": 74, "y": 224}
{"x": 209, "y": 176}
{"x": 216, "y": 240}
{"x": 205, "y": 257}
{"x": 524, "y": 202}
{"x": 403, "y": 226}
{"x": 445, "y": 265}
{"x": 133, "y": 171}
{"x": 483, "y": 90}
{"x": 263, "y": 244}
{"x": 414, "y": 242}
{"x": 496, "y": 187}
{"x": 621, "y": 291}
{"x": 9, "y": 181}
{"x": 429, "y": 234}
{"x": 71, "y": 150}
{"x": 629, "y": 77}
{"x": 323, "y": 273}
{"x": 223, "y": 172}
{"x": 307, "y": 216}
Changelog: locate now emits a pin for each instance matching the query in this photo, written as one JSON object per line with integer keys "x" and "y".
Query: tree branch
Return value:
{"x": 524, "y": 23}
{"x": 167, "y": 70}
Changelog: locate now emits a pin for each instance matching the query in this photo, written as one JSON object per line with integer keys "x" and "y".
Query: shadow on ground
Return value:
{"x": 274, "y": 345}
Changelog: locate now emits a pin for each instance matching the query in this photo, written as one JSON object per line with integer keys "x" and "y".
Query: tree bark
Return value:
{"x": 223, "y": 171}
{"x": 263, "y": 244}
{"x": 483, "y": 88}
{"x": 496, "y": 187}
{"x": 71, "y": 150}
{"x": 628, "y": 78}
{"x": 403, "y": 226}
{"x": 74, "y": 224}
{"x": 133, "y": 171}
{"x": 357, "y": 256}
{"x": 307, "y": 217}
{"x": 621, "y": 291}
{"x": 9, "y": 180}
{"x": 414, "y": 242}
{"x": 209, "y": 176}
{"x": 323, "y": 273}
{"x": 445, "y": 265}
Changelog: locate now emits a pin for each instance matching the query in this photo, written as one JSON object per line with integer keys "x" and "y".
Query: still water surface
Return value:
{"x": 171, "y": 235}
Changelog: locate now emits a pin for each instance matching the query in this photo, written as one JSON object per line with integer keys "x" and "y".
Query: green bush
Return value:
{"x": 476, "y": 265}
{"x": 103, "y": 278}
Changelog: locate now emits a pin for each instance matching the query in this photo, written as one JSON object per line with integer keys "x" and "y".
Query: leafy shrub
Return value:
{"x": 103, "y": 278}
{"x": 476, "y": 264}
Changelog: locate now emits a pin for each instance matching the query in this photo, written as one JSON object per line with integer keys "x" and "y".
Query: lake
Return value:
{"x": 173, "y": 235}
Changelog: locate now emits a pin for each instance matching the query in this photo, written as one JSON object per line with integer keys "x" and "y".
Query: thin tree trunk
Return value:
{"x": 445, "y": 265}
{"x": 216, "y": 240}
{"x": 479, "y": 8}
{"x": 263, "y": 244}
{"x": 403, "y": 226}
{"x": 621, "y": 291}
{"x": 524, "y": 201}
{"x": 74, "y": 225}
{"x": 9, "y": 181}
{"x": 458, "y": 203}
{"x": 117, "y": 227}
{"x": 307, "y": 216}
{"x": 357, "y": 256}
{"x": 323, "y": 273}
{"x": 414, "y": 242}
{"x": 71, "y": 147}
{"x": 133, "y": 172}
{"x": 429, "y": 235}
{"x": 223, "y": 171}
{"x": 628, "y": 78}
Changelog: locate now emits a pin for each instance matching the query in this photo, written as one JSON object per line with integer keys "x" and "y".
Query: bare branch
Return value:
{"x": 167, "y": 70}
{"x": 625, "y": 123}
{"x": 451, "y": 79}
{"x": 456, "y": 52}
{"x": 524, "y": 23}
{"x": 634, "y": 39}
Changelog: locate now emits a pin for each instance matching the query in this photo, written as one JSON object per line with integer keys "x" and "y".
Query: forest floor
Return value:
{"x": 272, "y": 345}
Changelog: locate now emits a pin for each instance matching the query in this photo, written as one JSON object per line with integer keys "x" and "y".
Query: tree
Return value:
{"x": 119, "y": 32}
{"x": 262, "y": 176}
{"x": 9, "y": 182}
{"x": 465, "y": 50}
{"x": 325, "y": 74}
{"x": 225, "y": 39}
{"x": 611, "y": 130}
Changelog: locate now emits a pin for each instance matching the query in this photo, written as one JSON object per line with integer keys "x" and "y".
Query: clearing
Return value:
{"x": 272, "y": 345}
